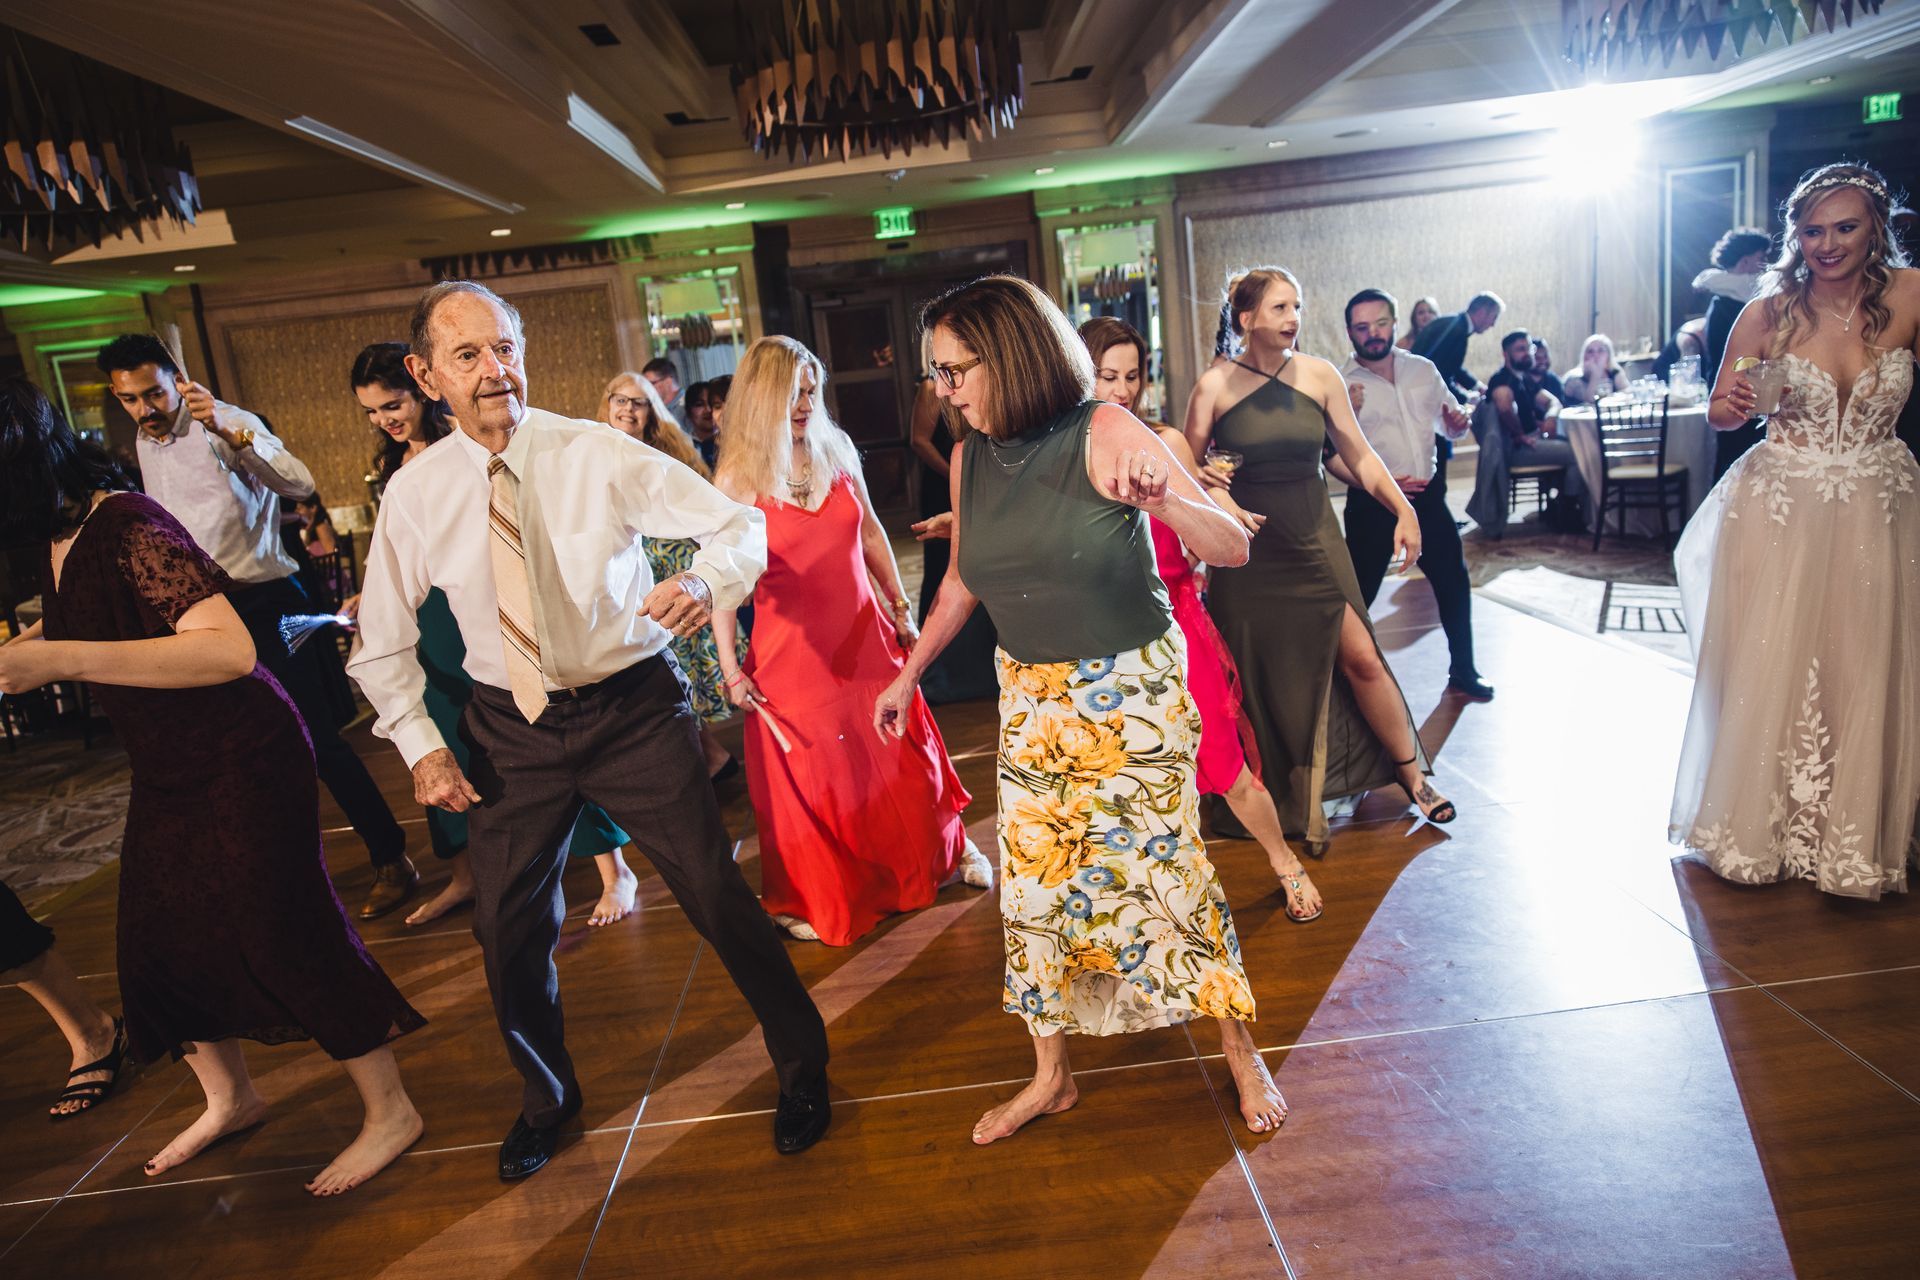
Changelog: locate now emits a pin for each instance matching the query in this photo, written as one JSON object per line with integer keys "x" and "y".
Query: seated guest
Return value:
{"x": 1599, "y": 376}
{"x": 1542, "y": 376}
{"x": 316, "y": 526}
{"x": 1425, "y": 312}
{"x": 1527, "y": 418}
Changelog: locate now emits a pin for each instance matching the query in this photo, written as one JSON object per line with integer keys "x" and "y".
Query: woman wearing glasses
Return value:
{"x": 1113, "y": 918}
{"x": 851, "y": 830}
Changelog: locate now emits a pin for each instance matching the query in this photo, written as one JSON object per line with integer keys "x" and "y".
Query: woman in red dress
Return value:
{"x": 228, "y": 927}
{"x": 853, "y": 827}
{"x": 1228, "y": 761}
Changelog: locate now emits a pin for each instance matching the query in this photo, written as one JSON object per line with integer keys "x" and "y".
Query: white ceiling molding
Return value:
{"x": 374, "y": 154}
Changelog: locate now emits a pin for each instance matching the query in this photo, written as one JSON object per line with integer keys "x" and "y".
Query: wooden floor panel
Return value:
{"x": 1497, "y": 1044}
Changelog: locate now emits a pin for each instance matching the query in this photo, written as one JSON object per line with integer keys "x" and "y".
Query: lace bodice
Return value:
{"x": 1816, "y": 452}
{"x": 1811, "y": 417}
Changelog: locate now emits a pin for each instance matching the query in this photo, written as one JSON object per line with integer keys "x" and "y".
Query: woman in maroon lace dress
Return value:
{"x": 228, "y": 925}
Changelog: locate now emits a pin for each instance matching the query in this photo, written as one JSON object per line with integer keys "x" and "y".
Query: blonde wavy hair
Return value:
{"x": 1787, "y": 286}
{"x": 1244, "y": 291}
{"x": 756, "y": 454}
{"x": 660, "y": 429}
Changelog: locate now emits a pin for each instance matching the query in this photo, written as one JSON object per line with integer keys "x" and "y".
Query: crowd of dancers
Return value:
{"x": 551, "y": 622}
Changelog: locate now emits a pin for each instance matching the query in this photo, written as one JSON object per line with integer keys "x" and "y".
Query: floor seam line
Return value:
{"x": 1239, "y": 1156}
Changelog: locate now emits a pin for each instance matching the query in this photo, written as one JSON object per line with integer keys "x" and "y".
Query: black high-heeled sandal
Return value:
{"x": 91, "y": 1093}
{"x": 1443, "y": 812}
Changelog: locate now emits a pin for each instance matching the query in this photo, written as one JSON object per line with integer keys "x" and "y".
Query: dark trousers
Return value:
{"x": 1370, "y": 543}
{"x": 631, "y": 746}
{"x": 261, "y": 607}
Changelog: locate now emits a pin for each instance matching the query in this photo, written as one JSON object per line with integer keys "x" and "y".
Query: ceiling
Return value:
{"x": 346, "y": 131}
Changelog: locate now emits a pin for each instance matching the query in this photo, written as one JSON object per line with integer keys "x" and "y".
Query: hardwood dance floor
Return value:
{"x": 1527, "y": 1045}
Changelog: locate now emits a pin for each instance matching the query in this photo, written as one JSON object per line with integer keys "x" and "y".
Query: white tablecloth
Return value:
{"x": 1690, "y": 441}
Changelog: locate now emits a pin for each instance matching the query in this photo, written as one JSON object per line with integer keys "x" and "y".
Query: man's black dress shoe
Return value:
{"x": 1473, "y": 686}
{"x": 801, "y": 1119}
{"x": 526, "y": 1150}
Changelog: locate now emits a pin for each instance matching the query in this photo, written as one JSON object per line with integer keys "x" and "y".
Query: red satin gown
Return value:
{"x": 1226, "y": 735}
{"x": 853, "y": 827}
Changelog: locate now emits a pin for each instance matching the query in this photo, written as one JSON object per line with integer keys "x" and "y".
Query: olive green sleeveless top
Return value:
{"x": 1065, "y": 572}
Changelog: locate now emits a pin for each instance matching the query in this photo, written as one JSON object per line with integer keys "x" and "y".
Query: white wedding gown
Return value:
{"x": 1800, "y": 577}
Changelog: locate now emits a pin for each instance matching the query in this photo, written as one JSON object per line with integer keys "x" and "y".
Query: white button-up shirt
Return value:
{"x": 587, "y": 494}
{"x": 228, "y": 499}
{"x": 1400, "y": 418}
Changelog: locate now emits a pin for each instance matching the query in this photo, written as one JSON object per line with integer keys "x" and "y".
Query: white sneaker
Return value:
{"x": 974, "y": 867}
{"x": 798, "y": 928}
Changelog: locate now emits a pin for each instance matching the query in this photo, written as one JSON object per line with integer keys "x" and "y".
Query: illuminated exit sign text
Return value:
{"x": 1880, "y": 108}
{"x": 893, "y": 224}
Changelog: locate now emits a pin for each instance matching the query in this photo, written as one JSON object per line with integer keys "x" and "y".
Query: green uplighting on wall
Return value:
{"x": 26, "y": 295}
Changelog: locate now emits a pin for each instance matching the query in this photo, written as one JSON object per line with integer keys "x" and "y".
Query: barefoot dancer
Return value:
{"x": 1114, "y": 919}
{"x": 228, "y": 925}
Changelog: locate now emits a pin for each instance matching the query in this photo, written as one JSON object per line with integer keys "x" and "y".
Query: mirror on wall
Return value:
{"x": 1113, "y": 269}
{"x": 1702, "y": 202}
{"x": 697, "y": 321}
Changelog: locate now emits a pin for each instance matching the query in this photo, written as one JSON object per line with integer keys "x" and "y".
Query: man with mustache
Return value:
{"x": 219, "y": 471}
{"x": 532, "y": 524}
{"x": 1403, "y": 403}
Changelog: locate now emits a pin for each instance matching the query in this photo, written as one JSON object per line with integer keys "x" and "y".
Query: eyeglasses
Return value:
{"x": 626, "y": 402}
{"x": 952, "y": 375}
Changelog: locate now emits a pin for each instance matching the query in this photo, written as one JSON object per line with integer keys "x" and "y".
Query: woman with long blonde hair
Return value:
{"x": 853, "y": 828}
{"x": 1801, "y": 572}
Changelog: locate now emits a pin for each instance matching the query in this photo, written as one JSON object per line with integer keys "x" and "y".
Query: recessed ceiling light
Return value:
{"x": 1821, "y": 80}
{"x": 1277, "y": 143}
{"x": 736, "y": 204}
{"x": 1043, "y": 171}
{"x": 1356, "y": 133}
{"x": 501, "y": 231}
{"x": 185, "y": 266}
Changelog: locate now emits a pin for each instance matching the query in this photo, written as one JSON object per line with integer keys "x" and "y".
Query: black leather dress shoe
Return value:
{"x": 1474, "y": 687}
{"x": 801, "y": 1119}
{"x": 526, "y": 1150}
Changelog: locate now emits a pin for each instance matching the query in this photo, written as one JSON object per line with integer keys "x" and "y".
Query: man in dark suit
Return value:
{"x": 1444, "y": 341}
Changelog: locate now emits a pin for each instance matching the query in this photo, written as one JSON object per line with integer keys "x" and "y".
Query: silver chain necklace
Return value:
{"x": 1846, "y": 321}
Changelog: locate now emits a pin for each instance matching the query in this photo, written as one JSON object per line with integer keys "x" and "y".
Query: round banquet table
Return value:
{"x": 1690, "y": 441}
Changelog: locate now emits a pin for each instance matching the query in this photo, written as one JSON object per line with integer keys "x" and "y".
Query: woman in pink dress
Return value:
{"x": 853, "y": 827}
{"x": 1228, "y": 762}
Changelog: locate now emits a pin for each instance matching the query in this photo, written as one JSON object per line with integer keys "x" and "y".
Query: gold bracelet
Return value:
{"x": 900, "y": 604}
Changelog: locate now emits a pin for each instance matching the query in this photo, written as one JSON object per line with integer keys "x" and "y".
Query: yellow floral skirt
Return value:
{"x": 1115, "y": 921}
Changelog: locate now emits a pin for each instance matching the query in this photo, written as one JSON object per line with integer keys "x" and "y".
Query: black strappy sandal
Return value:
{"x": 1441, "y": 814}
{"x": 91, "y": 1093}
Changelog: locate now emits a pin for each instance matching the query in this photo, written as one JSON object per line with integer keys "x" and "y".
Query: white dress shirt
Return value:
{"x": 587, "y": 494}
{"x": 228, "y": 499}
{"x": 1400, "y": 418}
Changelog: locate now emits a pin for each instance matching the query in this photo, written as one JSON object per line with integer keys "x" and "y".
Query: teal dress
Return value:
{"x": 442, "y": 652}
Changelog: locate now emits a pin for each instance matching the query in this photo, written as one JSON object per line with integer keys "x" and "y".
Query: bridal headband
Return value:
{"x": 1846, "y": 180}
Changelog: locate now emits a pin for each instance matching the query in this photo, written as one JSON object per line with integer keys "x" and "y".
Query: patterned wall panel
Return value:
{"x": 1522, "y": 242}
{"x": 294, "y": 372}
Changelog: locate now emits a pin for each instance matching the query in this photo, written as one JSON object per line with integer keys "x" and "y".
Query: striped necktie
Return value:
{"x": 520, "y": 637}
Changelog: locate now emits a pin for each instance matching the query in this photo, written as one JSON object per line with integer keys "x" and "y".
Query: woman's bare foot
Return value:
{"x": 1303, "y": 899}
{"x": 457, "y": 892}
{"x": 1041, "y": 1097}
{"x": 616, "y": 899}
{"x": 215, "y": 1123}
{"x": 1261, "y": 1105}
{"x": 377, "y": 1147}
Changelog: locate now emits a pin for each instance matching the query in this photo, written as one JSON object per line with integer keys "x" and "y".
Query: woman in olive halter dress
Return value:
{"x": 1328, "y": 715}
{"x": 1113, "y": 918}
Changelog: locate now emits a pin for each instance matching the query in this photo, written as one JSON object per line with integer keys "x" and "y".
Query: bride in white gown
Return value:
{"x": 1800, "y": 573}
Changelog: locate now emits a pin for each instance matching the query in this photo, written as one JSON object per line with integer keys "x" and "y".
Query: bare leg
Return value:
{"x": 1253, "y": 805}
{"x": 1261, "y": 1105}
{"x": 1386, "y": 711}
{"x": 618, "y": 885}
{"x": 232, "y": 1102}
{"x": 1051, "y": 1091}
{"x": 88, "y": 1028}
{"x": 390, "y": 1127}
{"x": 717, "y": 757}
{"x": 458, "y": 891}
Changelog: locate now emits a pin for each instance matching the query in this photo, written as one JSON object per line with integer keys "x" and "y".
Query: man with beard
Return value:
{"x": 1402, "y": 403}
{"x": 219, "y": 471}
{"x": 532, "y": 524}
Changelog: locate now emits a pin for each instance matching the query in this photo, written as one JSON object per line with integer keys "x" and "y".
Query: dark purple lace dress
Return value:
{"x": 228, "y": 923}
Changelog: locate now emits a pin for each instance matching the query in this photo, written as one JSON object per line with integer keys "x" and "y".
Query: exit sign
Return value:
{"x": 1880, "y": 108}
{"x": 893, "y": 224}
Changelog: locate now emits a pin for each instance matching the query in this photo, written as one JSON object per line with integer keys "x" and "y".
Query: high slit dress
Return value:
{"x": 1281, "y": 614}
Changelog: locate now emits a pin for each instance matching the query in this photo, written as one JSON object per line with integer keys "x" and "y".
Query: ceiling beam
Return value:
{"x": 1332, "y": 47}
{"x": 1169, "y": 46}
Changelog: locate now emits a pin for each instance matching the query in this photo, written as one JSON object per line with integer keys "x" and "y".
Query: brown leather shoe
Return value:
{"x": 393, "y": 884}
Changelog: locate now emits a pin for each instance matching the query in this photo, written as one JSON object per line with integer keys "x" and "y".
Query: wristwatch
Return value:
{"x": 243, "y": 439}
